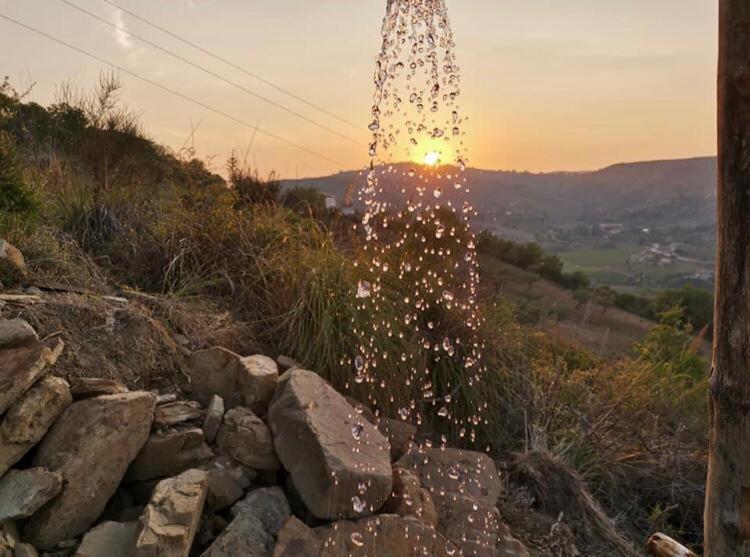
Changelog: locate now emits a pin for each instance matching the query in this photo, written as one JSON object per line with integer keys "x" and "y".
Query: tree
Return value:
{"x": 727, "y": 508}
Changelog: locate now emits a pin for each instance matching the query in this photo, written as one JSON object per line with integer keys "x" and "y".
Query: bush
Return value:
{"x": 16, "y": 197}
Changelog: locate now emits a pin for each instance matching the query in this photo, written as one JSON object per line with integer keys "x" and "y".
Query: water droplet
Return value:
{"x": 438, "y": 193}
{"x": 359, "y": 506}
{"x": 357, "y": 430}
{"x": 363, "y": 289}
{"x": 357, "y": 539}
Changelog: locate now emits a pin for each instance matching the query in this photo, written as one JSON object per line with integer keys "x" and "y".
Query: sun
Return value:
{"x": 431, "y": 158}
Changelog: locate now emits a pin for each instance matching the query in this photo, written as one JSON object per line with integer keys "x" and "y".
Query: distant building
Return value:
{"x": 330, "y": 201}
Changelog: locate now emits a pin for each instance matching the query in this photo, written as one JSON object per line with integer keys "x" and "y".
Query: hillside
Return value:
{"x": 640, "y": 225}
{"x": 141, "y": 260}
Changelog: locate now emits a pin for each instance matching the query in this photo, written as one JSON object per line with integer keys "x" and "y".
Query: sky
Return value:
{"x": 547, "y": 84}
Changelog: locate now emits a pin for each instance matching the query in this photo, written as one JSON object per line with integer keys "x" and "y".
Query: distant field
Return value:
{"x": 612, "y": 267}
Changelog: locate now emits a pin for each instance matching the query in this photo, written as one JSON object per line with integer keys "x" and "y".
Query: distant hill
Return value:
{"x": 650, "y": 194}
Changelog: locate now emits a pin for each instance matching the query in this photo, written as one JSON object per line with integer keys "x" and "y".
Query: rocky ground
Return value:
{"x": 134, "y": 439}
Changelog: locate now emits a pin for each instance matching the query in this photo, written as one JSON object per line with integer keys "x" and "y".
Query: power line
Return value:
{"x": 232, "y": 64}
{"x": 210, "y": 72}
{"x": 172, "y": 91}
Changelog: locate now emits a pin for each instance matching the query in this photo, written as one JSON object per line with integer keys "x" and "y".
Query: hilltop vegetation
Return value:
{"x": 94, "y": 202}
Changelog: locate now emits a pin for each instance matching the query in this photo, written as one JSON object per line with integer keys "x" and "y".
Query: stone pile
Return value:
{"x": 268, "y": 460}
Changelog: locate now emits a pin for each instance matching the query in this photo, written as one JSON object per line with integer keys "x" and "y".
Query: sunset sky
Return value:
{"x": 547, "y": 84}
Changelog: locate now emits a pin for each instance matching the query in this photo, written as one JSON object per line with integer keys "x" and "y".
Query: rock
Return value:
{"x": 286, "y": 363}
{"x": 92, "y": 445}
{"x": 258, "y": 518}
{"x": 316, "y": 432}
{"x": 385, "y": 535}
{"x": 23, "y": 492}
{"x": 211, "y": 527}
{"x": 245, "y": 438}
{"x": 244, "y": 536}
{"x": 409, "y": 499}
{"x": 258, "y": 376}
{"x": 167, "y": 453}
{"x": 177, "y": 412}
{"x": 20, "y": 368}
{"x": 165, "y": 398}
{"x": 239, "y": 381}
{"x": 455, "y": 471}
{"x": 16, "y": 332}
{"x": 169, "y": 523}
{"x": 227, "y": 482}
{"x": 9, "y": 538}
{"x": 363, "y": 410}
{"x": 28, "y": 420}
{"x": 465, "y": 487}
{"x": 269, "y": 504}
{"x": 399, "y": 434}
{"x": 214, "y": 372}
{"x": 296, "y": 539}
{"x": 12, "y": 264}
{"x": 25, "y": 550}
{"x": 87, "y": 387}
{"x": 214, "y": 416}
{"x": 109, "y": 539}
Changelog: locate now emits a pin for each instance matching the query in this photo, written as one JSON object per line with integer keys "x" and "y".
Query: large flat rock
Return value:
{"x": 28, "y": 420}
{"x": 168, "y": 525}
{"x": 92, "y": 445}
{"x": 339, "y": 462}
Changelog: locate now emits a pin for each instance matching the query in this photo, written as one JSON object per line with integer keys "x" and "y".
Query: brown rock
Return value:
{"x": 87, "y": 387}
{"x": 385, "y": 535}
{"x": 455, "y": 471}
{"x": 245, "y": 438}
{"x": 177, "y": 412}
{"x": 296, "y": 539}
{"x": 20, "y": 368}
{"x": 109, "y": 539}
{"x": 214, "y": 372}
{"x": 400, "y": 435}
{"x": 227, "y": 482}
{"x": 169, "y": 523}
{"x": 92, "y": 445}
{"x": 409, "y": 499}
{"x": 286, "y": 363}
{"x": 167, "y": 453}
{"x": 28, "y": 420}
{"x": 16, "y": 332}
{"x": 239, "y": 381}
{"x": 214, "y": 416}
{"x": 257, "y": 377}
{"x": 12, "y": 264}
{"x": 328, "y": 449}
{"x": 465, "y": 487}
{"x": 23, "y": 492}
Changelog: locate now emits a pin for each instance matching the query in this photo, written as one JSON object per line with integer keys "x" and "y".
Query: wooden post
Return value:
{"x": 727, "y": 510}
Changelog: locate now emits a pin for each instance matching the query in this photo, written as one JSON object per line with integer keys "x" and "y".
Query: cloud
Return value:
{"x": 122, "y": 38}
